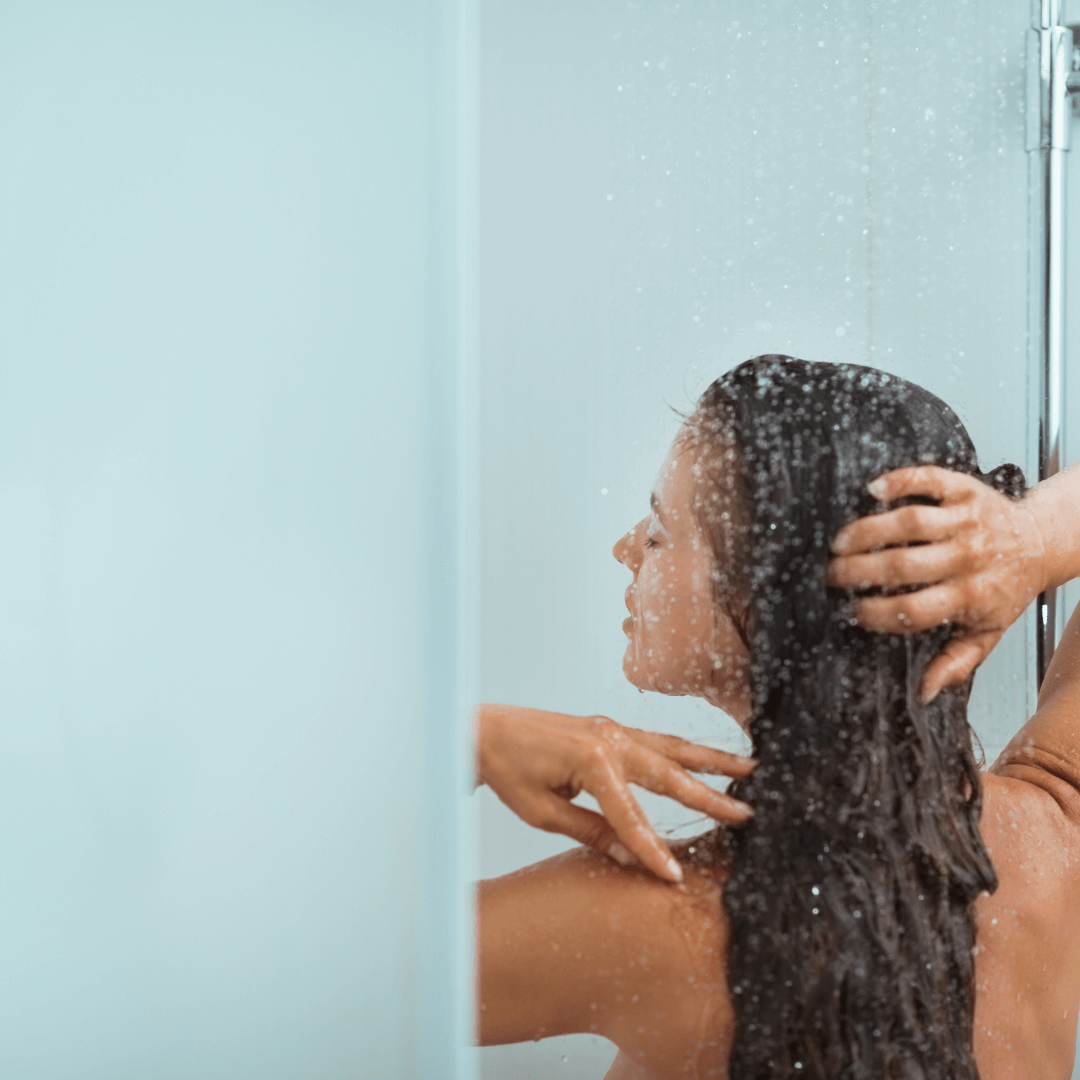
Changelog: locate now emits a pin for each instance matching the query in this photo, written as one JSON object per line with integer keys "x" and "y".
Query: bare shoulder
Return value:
{"x": 578, "y": 943}
{"x": 1023, "y": 799}
{"x": 1045, "y": 752}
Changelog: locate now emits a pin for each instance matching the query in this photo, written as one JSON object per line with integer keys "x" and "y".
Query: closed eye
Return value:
{"x": 651, "y": 543}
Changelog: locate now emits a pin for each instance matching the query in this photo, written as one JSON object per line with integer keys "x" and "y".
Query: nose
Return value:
{"x": 627, "y": 549}
{"x": 621, "y": 548}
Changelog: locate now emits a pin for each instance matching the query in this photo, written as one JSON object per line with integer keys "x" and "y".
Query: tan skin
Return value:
{"x": 580, "y": 943}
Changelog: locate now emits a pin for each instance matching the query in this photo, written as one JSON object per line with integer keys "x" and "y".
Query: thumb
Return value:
{"x": 960, "y": 657}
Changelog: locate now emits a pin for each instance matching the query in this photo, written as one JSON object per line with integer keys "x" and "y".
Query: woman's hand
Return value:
{"x": 536, "y": 762}
{"x": 980, "y": 556}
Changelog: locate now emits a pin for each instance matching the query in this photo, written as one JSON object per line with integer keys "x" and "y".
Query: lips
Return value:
{"x": 627, "y": 623}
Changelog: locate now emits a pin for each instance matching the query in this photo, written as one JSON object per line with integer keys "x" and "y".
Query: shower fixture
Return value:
{"x": 1053, "y": 76}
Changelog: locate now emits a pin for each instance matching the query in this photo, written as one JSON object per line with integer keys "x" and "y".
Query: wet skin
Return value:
{"x": 580, "y": 944}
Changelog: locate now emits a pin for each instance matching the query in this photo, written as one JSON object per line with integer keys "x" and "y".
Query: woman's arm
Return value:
{"x": 553, "y": 939}
{"x": 1055, "y": 506}
{"x": 983, "y": 558}
{"x": 579, "y": 944}
{"x": 980, "y": 555}
{"x": 1046, "y": 750}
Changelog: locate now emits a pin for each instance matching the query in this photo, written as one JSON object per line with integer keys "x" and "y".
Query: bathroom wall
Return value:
{"x": 667, "y": 189}
{"x": 229, "y": 763}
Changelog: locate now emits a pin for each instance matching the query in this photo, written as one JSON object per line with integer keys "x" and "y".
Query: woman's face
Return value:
{"x": 679, "y": 640}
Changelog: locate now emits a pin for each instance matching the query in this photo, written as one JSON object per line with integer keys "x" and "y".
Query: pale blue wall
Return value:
{"x": 228, "y": 746}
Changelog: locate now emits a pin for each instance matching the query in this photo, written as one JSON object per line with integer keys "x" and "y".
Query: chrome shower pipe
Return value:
{"x": 1049, "y": 65}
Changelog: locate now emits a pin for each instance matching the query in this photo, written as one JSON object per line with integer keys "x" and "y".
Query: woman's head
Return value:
{"x": 679, "y": 640}
{"x": 851, "y": 888}
{"x": 727, "y": 471}
{"x": 783, "y": 452}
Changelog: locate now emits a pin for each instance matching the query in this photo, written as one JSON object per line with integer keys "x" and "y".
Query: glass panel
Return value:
{"x": 223, "y": 558}
{"x": 667, "y": 190}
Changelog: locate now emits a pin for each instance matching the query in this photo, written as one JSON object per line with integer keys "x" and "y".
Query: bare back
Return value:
{"x": 578, "y": 944}
{"x": 642, "y": 962}
{"x": 1027, "y": 966}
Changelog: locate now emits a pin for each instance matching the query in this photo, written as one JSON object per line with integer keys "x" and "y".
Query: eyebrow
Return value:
{"x": 654, "y": 502}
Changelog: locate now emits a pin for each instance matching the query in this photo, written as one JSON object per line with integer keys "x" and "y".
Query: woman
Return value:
{"x": 888, "y": 910}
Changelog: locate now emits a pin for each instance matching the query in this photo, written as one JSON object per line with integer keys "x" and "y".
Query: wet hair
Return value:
{"x": 851, "y": 890}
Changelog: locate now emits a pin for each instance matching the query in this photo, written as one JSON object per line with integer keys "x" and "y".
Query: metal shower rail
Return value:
{"x": 1050, "y": 81}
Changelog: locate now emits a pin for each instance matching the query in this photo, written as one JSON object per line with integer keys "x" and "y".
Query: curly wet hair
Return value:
{"x": 851, "y": 890}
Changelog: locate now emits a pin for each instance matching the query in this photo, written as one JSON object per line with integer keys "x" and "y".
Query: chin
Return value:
{"x": 637, "y": 674}
{"x": 633, "y": 676}
{"x": 657, "y": 682}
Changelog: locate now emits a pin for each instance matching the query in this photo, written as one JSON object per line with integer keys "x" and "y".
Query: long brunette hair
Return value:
{"x": 851, "y": 890}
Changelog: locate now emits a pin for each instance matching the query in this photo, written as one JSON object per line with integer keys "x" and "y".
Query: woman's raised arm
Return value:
{"x": 982, "y": 558}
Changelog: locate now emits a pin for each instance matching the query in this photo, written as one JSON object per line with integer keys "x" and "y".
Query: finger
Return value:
{"x": 912, "y": 612}
{"x": 694, "y": 756}
{"x": 956, "y": 662}
{"x": 930, "y": 481}
{"x": 659, "y": 774}
{"x": 589, "y": 828}
{"x": 908, "y": 524}
{"x": 924, "y": 565}
{"x": 631, "y": 826}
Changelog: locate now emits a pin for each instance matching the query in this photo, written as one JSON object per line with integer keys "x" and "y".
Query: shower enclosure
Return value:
{"x": 667, "y": 189}
{"x": 340, "y": 341}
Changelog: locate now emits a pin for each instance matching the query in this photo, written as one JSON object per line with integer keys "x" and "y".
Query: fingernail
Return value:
{"x": 878, "y": 488}
{"x": 744, "y": 810}
{"x": 620, "y": 854}
{"x": 675, "y": 869}
{"x": 840, "y": 545}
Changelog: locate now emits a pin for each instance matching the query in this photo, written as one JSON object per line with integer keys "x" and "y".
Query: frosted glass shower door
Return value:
{"x": 229, "y": 756}
{"x": 667, "y": 190}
